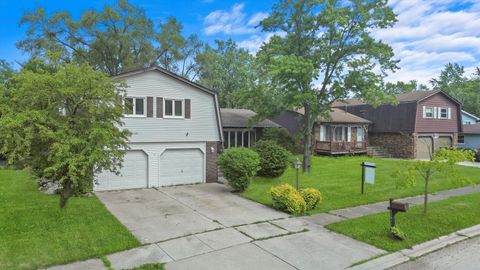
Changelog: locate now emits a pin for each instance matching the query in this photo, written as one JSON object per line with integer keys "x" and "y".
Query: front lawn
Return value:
{"x": 35, "y": 232}
{"x": 443, "y": 217}
{"x": 338, "y": 178}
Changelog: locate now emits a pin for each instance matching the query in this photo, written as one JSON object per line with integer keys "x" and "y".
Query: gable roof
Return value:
{"x": 471, "y": 129}
{"x": 411, "y": 97}
{"x": 168, "y": 73}
{"x": 340, "y": 116}
{"x": 240, "y": 118}
{"x": 471, "y": 115}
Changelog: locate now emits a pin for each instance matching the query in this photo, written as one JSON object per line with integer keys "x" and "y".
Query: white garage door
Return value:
{"x": 133, "y": 174}
{"x": 181, "y": 166}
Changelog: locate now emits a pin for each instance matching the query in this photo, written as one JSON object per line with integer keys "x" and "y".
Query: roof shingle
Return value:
{"x": 239, "y": 118}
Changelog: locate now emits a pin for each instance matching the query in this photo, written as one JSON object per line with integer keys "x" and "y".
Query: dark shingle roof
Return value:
{"x": 239, "y": 118}
{"x": 414, "y": 96}
{"x": 341, "y": 116}
{"x": 471, "y": 129}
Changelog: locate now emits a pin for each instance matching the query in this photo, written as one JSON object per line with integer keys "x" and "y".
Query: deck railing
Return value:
{"x": 342, "y": 146}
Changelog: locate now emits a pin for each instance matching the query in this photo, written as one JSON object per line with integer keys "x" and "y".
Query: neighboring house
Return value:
{"x": 469, "y": 119}
{"x": 421, "y": 122}
{"x": 470, "y": 137}
{"x": 240, "y": 129}
{"x": 176, "y": 132}
{"x": 341, "y": 133}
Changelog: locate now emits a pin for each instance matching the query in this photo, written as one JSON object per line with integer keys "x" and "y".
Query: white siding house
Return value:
{"x": 175, "y": 127}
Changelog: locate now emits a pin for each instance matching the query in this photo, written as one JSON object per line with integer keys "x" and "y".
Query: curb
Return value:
{"x": 404, "y": 255}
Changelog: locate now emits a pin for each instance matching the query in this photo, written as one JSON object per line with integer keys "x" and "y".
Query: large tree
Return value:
{"x": 64, "y": 123}
{"x": 325, "y": 52}
{"x": 229, "y": 70}
{"x": 115, "y": 39}
{"x": 455, "y": 82}
{"x": 405, "y": 87}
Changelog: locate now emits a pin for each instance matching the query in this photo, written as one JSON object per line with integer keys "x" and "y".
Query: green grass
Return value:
{"x": 443, "y": 217}
{"x": 151, "y": 266}
{"x": 35, "y": 232}
{"x": 338, "y": 178}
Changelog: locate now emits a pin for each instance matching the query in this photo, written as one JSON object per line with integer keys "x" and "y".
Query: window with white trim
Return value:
{"x": 429, "y": 112}
{"x": 173, "y": 108}
{"x": 443, "y": 113}
{"x": 134, "y": 106}
{"x": 461, "y": 139}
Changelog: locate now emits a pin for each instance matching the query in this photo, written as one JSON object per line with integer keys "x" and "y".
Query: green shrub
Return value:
{"x": 287, "y": 198}
{"x": 238, "y": 166}
{"x": 396, "y": 233}
{"x": 312, "y": 197}
{"x": 283, "y": 138}
{"x": 274, "y": 159}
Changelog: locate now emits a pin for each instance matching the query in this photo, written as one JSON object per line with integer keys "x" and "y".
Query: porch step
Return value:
{"x": 376, "y": 151}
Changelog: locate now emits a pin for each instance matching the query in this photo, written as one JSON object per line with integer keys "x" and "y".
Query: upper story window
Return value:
{"x": 437, "y": 112}
{"x": 443, "y": 113}
{"x": 429, "y": 112}
{"x": 134, "y": 106}
{"x": 174, "y": 108}
{"x": 468, "y": 122}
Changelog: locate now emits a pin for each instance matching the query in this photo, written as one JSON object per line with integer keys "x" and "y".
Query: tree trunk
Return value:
{"x": 65, "y": 193}
{"x": 306, "y": 152}
{"x": 307, "y": 136}
{"x": 425, "y": 196}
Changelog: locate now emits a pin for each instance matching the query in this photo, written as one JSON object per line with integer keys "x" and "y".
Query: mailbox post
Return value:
{"x": 394, "y": 208}
{"x": 297, "y": 167}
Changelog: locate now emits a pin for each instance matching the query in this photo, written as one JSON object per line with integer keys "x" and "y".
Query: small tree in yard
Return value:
{"x": 443, "y": 162}
{"x": 64, "y": 124}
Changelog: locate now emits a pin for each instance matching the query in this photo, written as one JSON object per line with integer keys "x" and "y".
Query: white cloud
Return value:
{"x": 233, "y": 21}
{"x": 431, "y": 33}
{"x": 257, "y": 18}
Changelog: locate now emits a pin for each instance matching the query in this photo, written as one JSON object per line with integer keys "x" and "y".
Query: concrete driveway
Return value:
{"x": 208, "y": 227}
{"x": 158, "y": 215}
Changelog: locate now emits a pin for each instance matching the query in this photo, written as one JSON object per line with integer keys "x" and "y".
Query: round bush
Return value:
{"x": 312, "y": 197}
{"x": 238, "y": 166}
{"x": 287, "y": 198}
{"x": 274, "y": 159}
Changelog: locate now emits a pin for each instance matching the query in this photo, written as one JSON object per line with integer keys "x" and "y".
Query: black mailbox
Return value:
{"x": 394, "y": 208}
{"x": 398, "y": 206}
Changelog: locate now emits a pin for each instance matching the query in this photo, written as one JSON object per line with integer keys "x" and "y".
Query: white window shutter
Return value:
{"x": 449, "y": 113}
{"x": 322, "y": 133}
{"x": 424, "y": 112}
{"x": 349, "y": 134}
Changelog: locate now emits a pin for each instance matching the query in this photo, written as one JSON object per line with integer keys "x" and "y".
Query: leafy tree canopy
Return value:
{"x": 452, "y": 80}
{"x": 229, "y": 70}
{"x": 114, "y": 40}
{"x": 64, "y": 123}
{"x": 324, "y": 52}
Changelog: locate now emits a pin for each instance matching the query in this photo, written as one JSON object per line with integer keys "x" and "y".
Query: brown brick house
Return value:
{"x": 421, "y": 122}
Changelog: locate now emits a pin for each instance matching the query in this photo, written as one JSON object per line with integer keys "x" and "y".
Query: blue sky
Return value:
{"x": 428, "y": 35}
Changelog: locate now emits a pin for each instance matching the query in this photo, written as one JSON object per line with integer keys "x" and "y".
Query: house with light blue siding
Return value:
{"x": 469, "y": 119}
{"x": 470, "y": 137}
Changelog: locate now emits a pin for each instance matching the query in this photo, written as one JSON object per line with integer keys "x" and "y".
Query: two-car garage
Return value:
{"x": 157, "y": 165}
{"x": 426, "y": 145}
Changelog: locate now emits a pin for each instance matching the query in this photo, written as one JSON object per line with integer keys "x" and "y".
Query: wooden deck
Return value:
{"x": 340, "y": 148}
